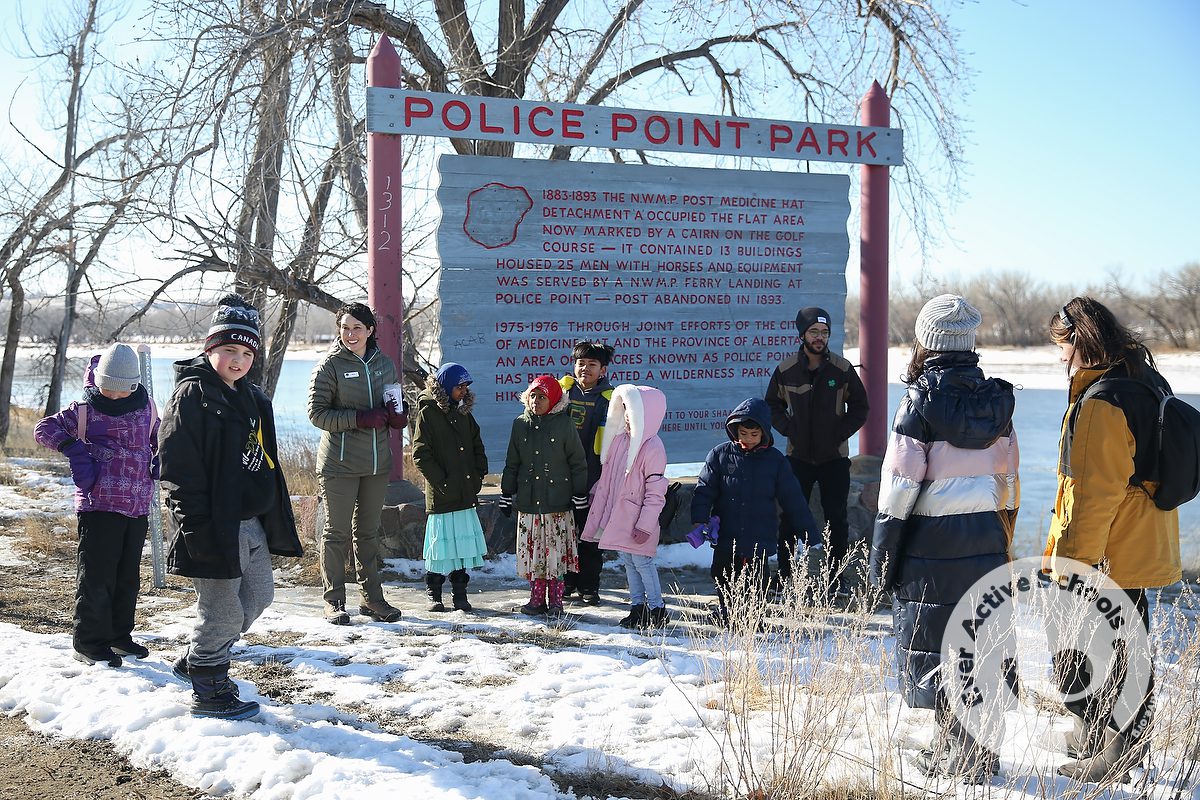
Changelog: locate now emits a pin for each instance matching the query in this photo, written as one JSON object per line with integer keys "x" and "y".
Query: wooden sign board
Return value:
{"x": 503, "y": 119}
{"x": 693, "y": 275}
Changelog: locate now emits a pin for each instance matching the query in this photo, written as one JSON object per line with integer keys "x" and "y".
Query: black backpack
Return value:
{"x": 667, "y": 515}
{"x": 1176, "y": 443}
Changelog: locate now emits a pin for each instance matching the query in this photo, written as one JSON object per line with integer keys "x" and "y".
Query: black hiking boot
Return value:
{"x": 215, "y": 695}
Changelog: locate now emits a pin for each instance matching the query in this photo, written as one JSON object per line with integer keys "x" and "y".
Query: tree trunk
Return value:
{"x": 58, "y": 368}
{"x": 12, "y": 340}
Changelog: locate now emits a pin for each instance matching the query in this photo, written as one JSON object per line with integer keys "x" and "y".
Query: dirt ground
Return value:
{"x": 39, "y": 767}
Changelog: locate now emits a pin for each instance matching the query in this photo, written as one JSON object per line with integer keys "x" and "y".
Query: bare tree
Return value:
{"x": 266, "y": 86}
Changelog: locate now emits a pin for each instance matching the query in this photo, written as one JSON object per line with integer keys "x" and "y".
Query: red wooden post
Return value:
{"x": 384, "y": 289}
{"x": 873, "y": 281}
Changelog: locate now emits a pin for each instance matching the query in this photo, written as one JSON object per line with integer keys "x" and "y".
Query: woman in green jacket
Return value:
{"x": 545, "y": 477}
{"x": 346, "y": 401}
{"x": 448, "y": 451}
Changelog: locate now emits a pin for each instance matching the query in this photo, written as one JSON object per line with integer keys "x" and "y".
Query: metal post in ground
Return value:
{"x": 155, "y": 532}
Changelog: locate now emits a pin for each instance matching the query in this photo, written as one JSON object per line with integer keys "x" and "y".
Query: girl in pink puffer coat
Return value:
{"x": 627, "y": 499}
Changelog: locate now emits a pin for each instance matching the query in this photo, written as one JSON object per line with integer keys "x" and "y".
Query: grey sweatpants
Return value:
{"x": 227, "y": 607}
{"x": 353, "y": 508}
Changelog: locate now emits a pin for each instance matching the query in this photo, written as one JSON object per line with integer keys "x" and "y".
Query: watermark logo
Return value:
{"x": 1009, "y": 620}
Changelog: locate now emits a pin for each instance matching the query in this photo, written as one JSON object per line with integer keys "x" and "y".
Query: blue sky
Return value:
{"x": 1083, "y": 119}
{"x": 1081, "y": 157}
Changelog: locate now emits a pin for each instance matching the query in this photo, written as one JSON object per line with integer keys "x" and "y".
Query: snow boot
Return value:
{"x": 379, "y": 610}
{"x": 655, "y": 618}
{"x": 1112, "y": 763}
{"x": 1085, "y": 740}
{"x": 215, "y": 695}
{"x": 635, "y": 616}
{"x": 181, "y": 670}
{"x": 97, "y": 655}
{"x": 537, "y": 599}
{"x": 458, "y": 589}
{"x": 128, "y": 647}
{"x": 433, "y": 589}
{"x": 335, "y": 614}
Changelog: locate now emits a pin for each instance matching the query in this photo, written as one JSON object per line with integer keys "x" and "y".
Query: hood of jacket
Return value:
{"x": 757, "y": 411}
{"x": 641, "y": 409}
{"x": 558, "y": 407}
{"x": 436, "y": 393}
{"x": 959, "y": 404}
{"x": 197, "y": 368}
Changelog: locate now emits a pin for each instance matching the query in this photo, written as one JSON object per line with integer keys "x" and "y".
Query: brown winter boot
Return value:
{"x": 335, "y": 614}
{"x": 379, "y": 610}
{"x": 1112, "y": 763}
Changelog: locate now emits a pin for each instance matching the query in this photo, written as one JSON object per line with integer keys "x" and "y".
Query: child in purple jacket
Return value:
{"x": 113, "y": 461}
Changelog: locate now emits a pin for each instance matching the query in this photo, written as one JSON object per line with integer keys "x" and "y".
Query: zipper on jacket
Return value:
{"x": 342, "y": 452}
{"x": 370, "y": 394}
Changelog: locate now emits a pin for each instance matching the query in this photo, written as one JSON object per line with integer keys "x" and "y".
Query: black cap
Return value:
{"x": 811, "y": 316}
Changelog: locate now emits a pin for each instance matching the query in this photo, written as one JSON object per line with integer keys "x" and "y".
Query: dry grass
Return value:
{"x": 50, "y": 538}
{"x": 21, "y": 423}
{"x": 804, "y": 675}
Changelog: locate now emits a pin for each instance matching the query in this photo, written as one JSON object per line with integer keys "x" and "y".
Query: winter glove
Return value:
{"x": 705, "y": 532}
{"x": 397, "y": 419}
{"x": 639, "y": 537}
{"x": 85, "y": 470}
{"x": 371, "y": 418}
{"x": 155, "y": 468}
{"x": 505, "y": 504}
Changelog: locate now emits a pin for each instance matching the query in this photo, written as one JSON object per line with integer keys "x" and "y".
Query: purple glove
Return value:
{"x": 396, "y": 418}
{"x": 85, "y": 470}
{"x": 698, "y": 535}
{"x": 371, "y": 418}
{"x": 705, "y": 532}
{"x": 640, "y": 537}
{"x": 155, "y": 468}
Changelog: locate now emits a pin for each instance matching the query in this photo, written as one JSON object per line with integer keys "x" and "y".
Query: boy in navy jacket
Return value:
{"x": 741, "y": 482}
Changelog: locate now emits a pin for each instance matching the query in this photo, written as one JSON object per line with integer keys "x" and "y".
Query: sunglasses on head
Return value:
{"x": 1066, "y": 318}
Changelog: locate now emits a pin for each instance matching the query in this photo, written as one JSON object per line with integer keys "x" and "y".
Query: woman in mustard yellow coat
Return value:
{"x": 1103, "y": 516}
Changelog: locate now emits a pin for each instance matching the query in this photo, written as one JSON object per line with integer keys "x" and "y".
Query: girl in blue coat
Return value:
{"x": 741, "y": 482}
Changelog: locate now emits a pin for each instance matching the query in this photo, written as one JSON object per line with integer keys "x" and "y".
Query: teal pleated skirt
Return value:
{"x": 454, "y": 541}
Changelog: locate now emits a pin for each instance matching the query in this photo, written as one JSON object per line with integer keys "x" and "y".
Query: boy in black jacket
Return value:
{"x": 228, "y": 499}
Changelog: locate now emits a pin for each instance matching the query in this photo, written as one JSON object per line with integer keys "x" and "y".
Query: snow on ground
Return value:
{"x": 578, "y": 699}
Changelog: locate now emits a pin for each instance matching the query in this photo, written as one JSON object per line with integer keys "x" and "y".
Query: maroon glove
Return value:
{"x": 397, "y": 419}
{"x": 371, "y": 418}
{"x": 640, "y": 537}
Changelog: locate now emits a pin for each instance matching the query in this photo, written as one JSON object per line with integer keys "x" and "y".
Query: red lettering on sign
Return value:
{"x": 738, "y": 127}
{"x": 623, "y": 123}
{"x": 838, "y": 139}
{"x": 534, "y": 128}
{"x": 571, "y": 123}
{"x": 457, "y": 105}
{"x": 698, "y": 129}
{"x": 416, "y": 108}
{"x": 483, "y": 123}
{"x": 808, "y": 139}
{"x": 666, "y": 126}
{"x": 865, "y": 141}
{"x": 780, "y": 134}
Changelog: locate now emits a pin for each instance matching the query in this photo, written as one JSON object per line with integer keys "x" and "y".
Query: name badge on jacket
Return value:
{"x": 351, "y": 374}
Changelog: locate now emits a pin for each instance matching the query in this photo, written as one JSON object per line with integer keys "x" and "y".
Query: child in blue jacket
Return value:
{"x": 741, "y": 482}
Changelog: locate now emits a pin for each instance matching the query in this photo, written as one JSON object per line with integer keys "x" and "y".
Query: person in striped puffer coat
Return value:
{"x": 947, "y": 508}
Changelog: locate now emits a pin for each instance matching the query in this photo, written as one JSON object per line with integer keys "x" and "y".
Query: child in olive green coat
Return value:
{"x": 448, "y": 451}
{"x": 545, "y": 478}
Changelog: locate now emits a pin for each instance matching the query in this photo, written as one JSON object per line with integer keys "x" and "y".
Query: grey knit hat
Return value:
{"x": 948, "y": 323}
{"x": 118, "y": 369}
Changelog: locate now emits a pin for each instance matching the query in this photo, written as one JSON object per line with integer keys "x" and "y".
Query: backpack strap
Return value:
{"x": 1162, "y": 396}
{"x": 81, "y": 417}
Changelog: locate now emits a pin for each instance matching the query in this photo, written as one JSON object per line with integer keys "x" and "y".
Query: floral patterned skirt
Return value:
{"x": 546, "y": 545}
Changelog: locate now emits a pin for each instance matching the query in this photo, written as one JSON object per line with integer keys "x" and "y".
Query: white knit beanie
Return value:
{"x": 948, "y": 323}
{"x": 118, "y": 369}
